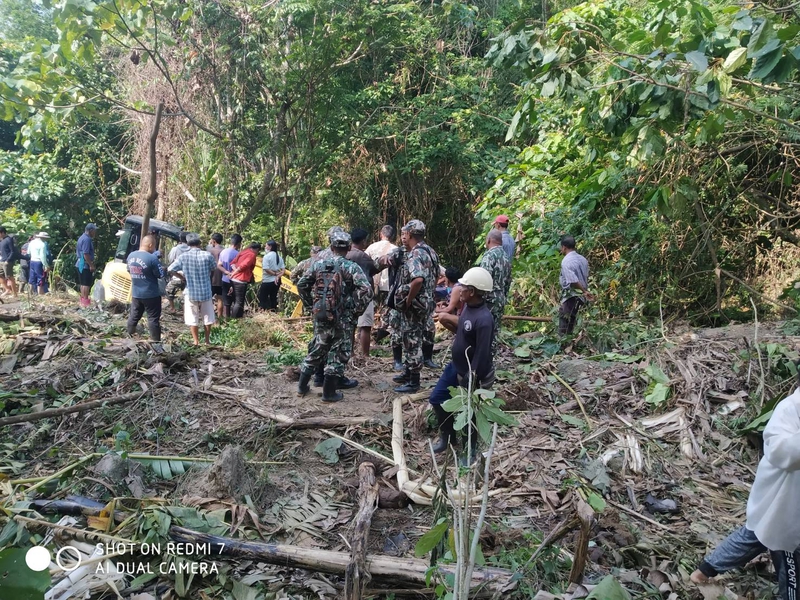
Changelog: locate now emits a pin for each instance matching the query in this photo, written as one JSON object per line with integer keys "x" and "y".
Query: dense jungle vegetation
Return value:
{"x": 662, "y": 134}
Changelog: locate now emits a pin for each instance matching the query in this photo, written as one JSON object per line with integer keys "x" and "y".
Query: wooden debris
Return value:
{"x": 586, "y": 517}
{"x": 394, "y": 569}
{"x": 357, "y": 576}
{"x": 285, "y": 422}
{"x": 82, "y": 407}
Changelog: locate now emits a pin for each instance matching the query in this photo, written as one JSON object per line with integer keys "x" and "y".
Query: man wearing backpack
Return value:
{"x": 414, "y": 300}
{"x": 324, "y": 288}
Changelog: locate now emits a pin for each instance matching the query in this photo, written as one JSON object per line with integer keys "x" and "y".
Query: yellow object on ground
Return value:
{"x": 286, "y": 284}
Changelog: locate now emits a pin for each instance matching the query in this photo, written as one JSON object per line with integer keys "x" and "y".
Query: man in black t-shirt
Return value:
{"x": 474, "y": 330}
{"x": 8, "y": 258}
{"x": 367, "y": 319}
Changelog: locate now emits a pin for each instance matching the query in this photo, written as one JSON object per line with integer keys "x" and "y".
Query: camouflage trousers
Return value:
{"x": 415, "y": 332}
{"x": 393, "y": 323}
{"x": 349, "y": 322}
{"x": 325, "y": 348}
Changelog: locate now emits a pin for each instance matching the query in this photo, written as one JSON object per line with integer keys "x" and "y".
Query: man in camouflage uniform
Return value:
{"x": 414, "y": 300}
{"x": 329, "y": 335}
{"x": 496, "y": 261}
{"x": 304, "y": 265}
{"x": 319, "y": 374}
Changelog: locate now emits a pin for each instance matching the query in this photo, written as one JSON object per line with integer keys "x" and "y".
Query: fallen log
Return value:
{"x": 396, "y": 570}
{"x": 524, "y": 318}
{"x": 83, "y": 406}
{"x": 285, "y": 422}
{"x": 356, "y": 576}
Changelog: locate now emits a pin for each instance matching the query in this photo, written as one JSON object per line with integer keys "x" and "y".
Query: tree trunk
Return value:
{"x": 394, "y": 569}
{"x": 153, "y": 194}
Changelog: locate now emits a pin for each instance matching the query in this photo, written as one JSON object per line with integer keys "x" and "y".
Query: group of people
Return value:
{"x": 35, "y": 263}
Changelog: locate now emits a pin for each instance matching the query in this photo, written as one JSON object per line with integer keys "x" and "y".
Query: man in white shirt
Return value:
{"x": 375, "y": 251}
{"x": 37, "y": 249}
{"x": 772, "y": 524}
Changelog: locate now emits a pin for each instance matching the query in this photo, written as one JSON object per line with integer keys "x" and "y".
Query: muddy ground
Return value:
{"x": 664, "y": 492}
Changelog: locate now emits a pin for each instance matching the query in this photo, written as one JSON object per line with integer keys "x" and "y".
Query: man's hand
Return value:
{"x": 447, "y": 320}
{"x": 589, "y": 297}
{"x": 91, "y": 268}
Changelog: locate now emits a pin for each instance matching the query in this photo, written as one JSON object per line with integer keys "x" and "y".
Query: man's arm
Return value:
{"x": 482, "y": 358}
{"x": 175, "y": 268}
{"x": 413, "y": 290}
{"x": 88, "y": 259}
{"x": 448, "y": 321}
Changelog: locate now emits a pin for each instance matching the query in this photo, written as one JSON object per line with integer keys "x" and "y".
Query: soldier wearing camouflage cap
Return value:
{"x": 414, "y": 300}
{"x": 325, "y": 288}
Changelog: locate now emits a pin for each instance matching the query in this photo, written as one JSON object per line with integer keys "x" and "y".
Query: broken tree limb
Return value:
{"x": 357, "y": 576}
{"x": 524, "y": 318}
{"x": 586, "y": 516}
{"x": 394, "y": 569}
{"x": 84, "y": 406}
{"x": 153, "y": 193}
{"x": 577, "y": 398}
{"x": 286, "y": 422}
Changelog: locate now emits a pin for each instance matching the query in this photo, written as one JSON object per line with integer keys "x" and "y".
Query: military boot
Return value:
{"x": 397, "y": 354}
{"x": 402, "y": 377}
{"x": 447, "y": 434}
{"x": 343, "y": 383}
{"x": 411, "y": 386}
{"x": 319, "y": 375}
{"x": 427, "y": 356}
{"x": 329, "y": 393}
{"x": 302, "y": 386}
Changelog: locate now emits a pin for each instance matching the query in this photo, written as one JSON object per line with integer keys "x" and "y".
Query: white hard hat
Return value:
{"x": 479, "y": 278}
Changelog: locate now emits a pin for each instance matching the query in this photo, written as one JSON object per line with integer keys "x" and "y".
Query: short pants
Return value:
{"x": 368, "y": 318}
{"x": 196, "y": 312}
{"x": 85, "y": 278}
{"x": 7, "y": 270}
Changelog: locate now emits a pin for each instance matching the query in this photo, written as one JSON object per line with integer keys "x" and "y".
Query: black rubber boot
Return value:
{"x": 379, "y": 334}
{"x": 446, "y": 433}
{"x": 402, "y": 377}
{"x": 397, "y": 354}
{"x": 427, "y": 356}
{"x": 343, "y": 383}
{"x": 319, "y": 375}
{"x": 411, "y": 386}
{"x": 302, "y": 386}
{"x": 329, "y": 393}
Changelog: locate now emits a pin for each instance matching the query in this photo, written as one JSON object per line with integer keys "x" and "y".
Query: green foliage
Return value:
{"x": 639, "y": 125}
{"x": 431, "y": 538}
{"x": 481, "y": 409}
{"x": 19, "y": 582}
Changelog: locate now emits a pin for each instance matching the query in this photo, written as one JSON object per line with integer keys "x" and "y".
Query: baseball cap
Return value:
{"x": 333, "y": 230}
{"x": 90, "y": 227}
{"x": 43, "y": 235}
{"x": 502, "y": 220}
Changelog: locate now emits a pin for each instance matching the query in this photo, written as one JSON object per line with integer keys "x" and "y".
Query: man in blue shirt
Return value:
{"x": 509, "y": 245}
{"x": 195, "y": 267}
{"x": 85, "y": 262}
{"x": 145, "y": 270}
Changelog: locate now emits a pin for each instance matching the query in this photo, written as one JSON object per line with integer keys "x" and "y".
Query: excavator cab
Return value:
{"x": 116, "y": 279}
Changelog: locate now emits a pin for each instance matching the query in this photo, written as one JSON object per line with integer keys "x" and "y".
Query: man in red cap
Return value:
{"x": 501, "y": 224}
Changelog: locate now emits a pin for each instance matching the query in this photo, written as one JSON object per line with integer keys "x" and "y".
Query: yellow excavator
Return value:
{"x": 117, "y": 281}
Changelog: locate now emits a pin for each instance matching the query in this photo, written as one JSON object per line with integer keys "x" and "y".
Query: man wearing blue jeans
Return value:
{"x": 472, "y": 350}
{"x": 772, "y": 524}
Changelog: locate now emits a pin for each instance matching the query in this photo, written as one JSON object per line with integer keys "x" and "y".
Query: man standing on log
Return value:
{"x": 85, "y": 263}
{"x": 772, "y": 524}
{"x": 472, "y": 349}
{"x": 496, "y": 262}
{"x": 195, "y": 267}
{"x": 324, "y": 288}
{"x": 145, "y": 270}
{"x": 414, "y": 300}
{"x": 574, "y": 282}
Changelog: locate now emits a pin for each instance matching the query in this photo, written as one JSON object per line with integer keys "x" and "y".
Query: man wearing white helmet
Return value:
{"x": 472, "y": 349}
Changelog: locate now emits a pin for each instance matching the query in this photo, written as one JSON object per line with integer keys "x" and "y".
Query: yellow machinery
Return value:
{"x": 286, "y": 284}
{"x": 116, "y": 279}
